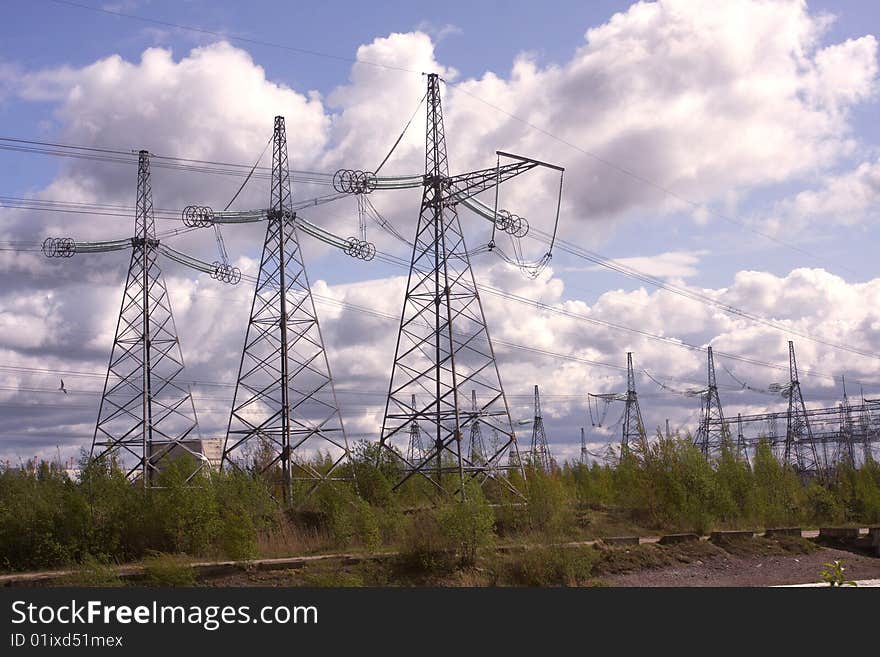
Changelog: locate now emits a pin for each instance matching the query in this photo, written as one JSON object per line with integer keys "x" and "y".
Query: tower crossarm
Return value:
{"x": 462, "y": 186}
{"x": 198, "y": 216}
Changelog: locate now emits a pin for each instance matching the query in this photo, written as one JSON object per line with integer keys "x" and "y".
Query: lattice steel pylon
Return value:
{"x": 476, "y": 445}
{"x": 741, "y": 445}
{"x": 443, "y": 346}
{"x": 846, "y": 447}
{"x": 285, "y": 408}
{"x": 633, "y": 429}
{"x": 800, "y": 449}
{"x": 539, "y": 453}
{"x": 710, "y": 433}
{"x": 145, "y": 418}
{"x": 415, "y": 450}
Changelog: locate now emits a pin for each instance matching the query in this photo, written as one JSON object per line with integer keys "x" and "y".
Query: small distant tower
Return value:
{"x": 800, "y": 450}
{"x": 540, "y": 451}
{"x": 741, "y": 446}
{"x": 633, "y": 428}
{"x": 711, "y": 430}
{"x": 846, "y": 447}
{"x": 476, "y": 448}
{"x": 415, "y": 451}
{"x": 585, "y": 453}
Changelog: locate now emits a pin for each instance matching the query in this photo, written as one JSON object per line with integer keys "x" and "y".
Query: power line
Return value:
{"x": 676, "y": 342}
{"x": 564, "y": 245}
{"x": 235, "y": 37}
{"x": 462, "y": 88}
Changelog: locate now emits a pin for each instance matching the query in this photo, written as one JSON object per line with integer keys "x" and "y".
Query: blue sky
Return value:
{"x": 809, "y": 193}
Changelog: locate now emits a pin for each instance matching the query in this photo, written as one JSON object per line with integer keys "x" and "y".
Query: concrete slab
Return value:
{"x": 670, "y": 539}
{"x": 839, "y": 532}
{"x": 727, "y": 535}
{"x": 783, "y": 531}
{"x": 620, "y": 540}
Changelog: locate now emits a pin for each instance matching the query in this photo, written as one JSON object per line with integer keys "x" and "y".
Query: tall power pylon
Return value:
{"x": 443, "y": 345}
{"x": 415, "y": 450}
{"x": 710, "y": 433}
{"x": 846, "y": 441}
{"x": 631, "y": 421}
{"x": 285, "y": 408}
{"x": 476, "y": 447}
{"x": 741, "y": 445}
{"x": 633, "y": 429}
{"x": 585, "y": 453}
{"x": 539, "y": 453}
{"x": 800, "y": 450}
{"x": 146, "y": 417}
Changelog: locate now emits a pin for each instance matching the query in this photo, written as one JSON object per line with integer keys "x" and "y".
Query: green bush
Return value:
{"x": 467, "y": 526}
{"x": 169, "y": 570}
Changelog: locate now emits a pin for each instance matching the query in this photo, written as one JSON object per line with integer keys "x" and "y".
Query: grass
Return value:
{"x": 169, "y": 570}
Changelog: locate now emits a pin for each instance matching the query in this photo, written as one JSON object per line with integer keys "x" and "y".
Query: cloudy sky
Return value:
{"x": 722, "y": 187}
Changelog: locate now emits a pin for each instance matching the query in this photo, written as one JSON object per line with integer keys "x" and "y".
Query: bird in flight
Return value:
{"x": 62, "y": 388}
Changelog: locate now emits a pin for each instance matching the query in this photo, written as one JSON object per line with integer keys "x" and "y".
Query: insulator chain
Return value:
{"x": 198, "y": 216}
{"x": 512, "y": 223}
{"x": 226, "y": 273}
{"x": 59, "y": 247}
{"x": 359, "y": 249}
{"x": 354, "y": 181}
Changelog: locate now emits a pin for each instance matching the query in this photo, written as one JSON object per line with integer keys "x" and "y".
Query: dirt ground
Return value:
{"x": 727, "y": 569}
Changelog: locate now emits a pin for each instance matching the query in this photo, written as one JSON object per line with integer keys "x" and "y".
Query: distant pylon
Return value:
{"x": 711, "y": 430}
{"x": 145, "y": 417}
{"x": 443, "y": 344}
{"x": 285, "y": 408}
{"x": 741, "y": 446}
{"x": 585, "y": 453}
{"x": 540, "y": 451}
{"x": 800, "y": 450}
{"x": 415, "y": 452}
{"x": 633, "y": 429}
{"x": 846, "y": 448}
{"x": 476, "y": 447}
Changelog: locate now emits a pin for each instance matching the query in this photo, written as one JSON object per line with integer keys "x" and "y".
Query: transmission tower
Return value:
{"x": 443, "y": 344}
{"x": 800, "y": 450}
{"x": 540, "y": 450}
{"x": 285, "y": 409}
{"x": 710, "y": 433}
{"x": 633, "y": 429}
{"x": 145, "y": 418}
{"x": 741, "y": 446}
{"x": 585, "y": 453}
{"x": 846, "y": 448}
{"x": 415, "y": 450}
{"x": 631, "y": 421}
{"x": 476, "y": 447}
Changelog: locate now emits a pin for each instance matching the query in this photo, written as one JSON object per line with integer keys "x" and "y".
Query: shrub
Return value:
{"x": 168, "y": 570}
{"x": 467, "y": 526}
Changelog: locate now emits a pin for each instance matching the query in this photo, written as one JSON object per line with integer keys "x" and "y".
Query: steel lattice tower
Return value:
{"x": 145, "y": 417}
{"x": 443, "y": 346}
{"x": 415, "y": 451}
{"x": 540, "y": 449}
{"x": 633, "y": 429}
{"x": 800, "y": 450}
{"x": 285, "y": 408}
{"x": 846, "y": 447}
{"x": 710, "y": 433}
{"x": 476, "y": 446}
{"x": 741, "y": 446}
